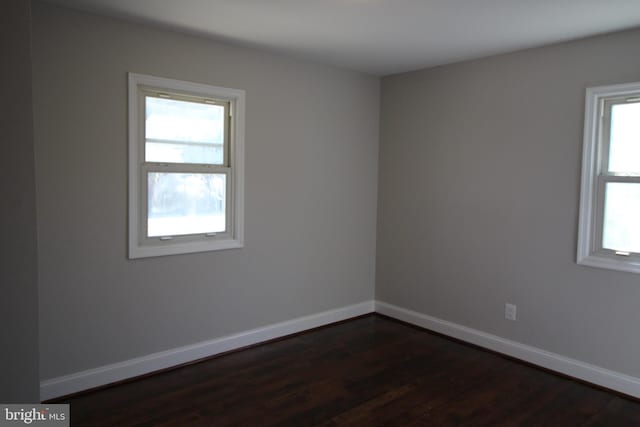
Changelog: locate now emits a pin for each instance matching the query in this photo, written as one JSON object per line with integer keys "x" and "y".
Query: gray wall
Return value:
{"x": 311, "y": 162}
{"x": 19, "y": 300}
{"x": 478, "y": 199}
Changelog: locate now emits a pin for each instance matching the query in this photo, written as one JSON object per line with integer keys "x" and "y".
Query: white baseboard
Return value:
{"x": 575, "y": 368}
{"x": 103, "y": 375}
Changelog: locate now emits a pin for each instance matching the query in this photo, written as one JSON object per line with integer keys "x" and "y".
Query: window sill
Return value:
{"x": 137, "y": 251}
{"x": 601, "y": 261}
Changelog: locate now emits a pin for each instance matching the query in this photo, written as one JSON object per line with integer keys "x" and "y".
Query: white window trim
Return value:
{"x": 587, "y": 253}
{"x": 234, "y": 239}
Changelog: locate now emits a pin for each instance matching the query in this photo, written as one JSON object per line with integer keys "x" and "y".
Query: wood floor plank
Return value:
{"x": 371, "y": 371}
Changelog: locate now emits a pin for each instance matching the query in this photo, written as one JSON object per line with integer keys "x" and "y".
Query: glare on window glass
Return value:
{"x": 621, "y": 231}
{"x": 624, "y": 150}
{"x": 179, "y": 131}
{"x": 185, "y": 203}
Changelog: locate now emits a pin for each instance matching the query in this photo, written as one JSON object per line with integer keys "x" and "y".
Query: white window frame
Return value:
{"x": 594, "y": 177}
{"x": 141, "y": 246}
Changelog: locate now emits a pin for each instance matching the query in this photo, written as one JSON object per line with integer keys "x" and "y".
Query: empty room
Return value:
{"x": 340, "y": 212}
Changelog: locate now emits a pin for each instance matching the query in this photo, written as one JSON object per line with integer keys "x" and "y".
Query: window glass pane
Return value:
{"x": 622, "y": 217}
{"x": 624, "y": 151}
{"x": 185, "y": 203}
{"x": 183, "y": 132}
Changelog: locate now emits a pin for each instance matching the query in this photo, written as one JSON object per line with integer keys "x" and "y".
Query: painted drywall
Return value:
{"x": 311, "y": 178}
{"x": 19, "y": 382}
{"x": 478, "y": 200}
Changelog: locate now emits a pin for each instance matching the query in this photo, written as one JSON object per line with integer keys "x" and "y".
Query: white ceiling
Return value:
{"x": 381, "y": 36}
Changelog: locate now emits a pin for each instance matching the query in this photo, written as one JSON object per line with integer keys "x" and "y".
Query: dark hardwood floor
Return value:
{"x": 365, "y": 372}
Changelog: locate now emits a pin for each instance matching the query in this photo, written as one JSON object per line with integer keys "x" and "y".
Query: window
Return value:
{"x": 609, "y": 231}
{"x": 186, "y": 152}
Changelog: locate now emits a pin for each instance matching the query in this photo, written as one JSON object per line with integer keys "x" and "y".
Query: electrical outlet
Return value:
{"x": 510, "y": 311}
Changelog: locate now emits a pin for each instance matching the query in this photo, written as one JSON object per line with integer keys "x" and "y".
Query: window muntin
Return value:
{"x": 609, "y": 232}
{"x": 185, "y": 167}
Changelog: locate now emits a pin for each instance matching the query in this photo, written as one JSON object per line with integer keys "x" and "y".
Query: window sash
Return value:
{"x": 598, "y": 232}
{"x": 605, "y": 131}
{"x": 183, "y": 168}
{"x": 159, "y": 93}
